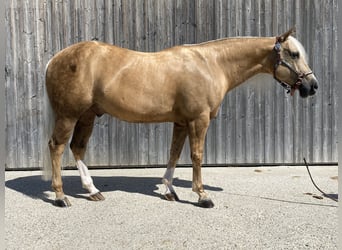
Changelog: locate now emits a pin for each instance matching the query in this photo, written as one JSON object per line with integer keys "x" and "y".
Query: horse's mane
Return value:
{"x": 218, "y": 40}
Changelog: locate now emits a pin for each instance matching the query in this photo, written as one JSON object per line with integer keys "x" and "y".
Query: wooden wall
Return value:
{"x": 258, "y": 122}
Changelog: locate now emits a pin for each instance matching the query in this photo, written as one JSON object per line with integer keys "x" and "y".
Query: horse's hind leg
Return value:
{"x": 61, "y": 134}
{"x": 78, "y": 146}
{"x": 178, "y": 138}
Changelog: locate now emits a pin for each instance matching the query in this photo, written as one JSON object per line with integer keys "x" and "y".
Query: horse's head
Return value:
{"x": 291, "y": 68}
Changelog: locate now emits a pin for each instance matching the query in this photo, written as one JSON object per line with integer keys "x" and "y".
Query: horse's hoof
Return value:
{"x": 206, "y": 203}
{"x": 171, "y": 196}
{"x": 62, "y": 202}
{"x": 97, "y": 197}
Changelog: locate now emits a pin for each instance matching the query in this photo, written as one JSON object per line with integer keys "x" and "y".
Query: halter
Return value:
{"x": 300, "y": 76}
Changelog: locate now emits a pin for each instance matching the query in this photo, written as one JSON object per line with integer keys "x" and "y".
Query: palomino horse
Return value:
{"x": 183, "y": 84}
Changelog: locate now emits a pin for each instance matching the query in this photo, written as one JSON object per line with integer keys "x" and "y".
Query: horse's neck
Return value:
{"x": 242, "y": 58}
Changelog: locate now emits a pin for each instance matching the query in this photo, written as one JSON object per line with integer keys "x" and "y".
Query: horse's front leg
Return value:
{"x": 197, "y": 132}
{"x": 178, "y": 138}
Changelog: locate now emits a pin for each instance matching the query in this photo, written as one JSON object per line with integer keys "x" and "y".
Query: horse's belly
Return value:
{"x": 137, "y": 112}
{"x": 140, "y": 117}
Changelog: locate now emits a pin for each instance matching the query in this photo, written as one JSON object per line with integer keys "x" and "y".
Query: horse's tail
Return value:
{"x": 49, "y": 123}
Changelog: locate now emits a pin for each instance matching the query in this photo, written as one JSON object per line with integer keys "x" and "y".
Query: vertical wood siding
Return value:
{"x": 257, "y": 123}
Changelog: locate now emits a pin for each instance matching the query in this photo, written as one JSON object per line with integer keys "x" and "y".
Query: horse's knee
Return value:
{"x": 196, "y": 158}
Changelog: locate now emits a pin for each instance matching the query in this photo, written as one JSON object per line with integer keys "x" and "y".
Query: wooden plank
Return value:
{"x": 257, "y": 122}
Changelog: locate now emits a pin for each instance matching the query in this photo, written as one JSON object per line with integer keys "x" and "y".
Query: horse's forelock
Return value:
{"x": 299, "y": 46}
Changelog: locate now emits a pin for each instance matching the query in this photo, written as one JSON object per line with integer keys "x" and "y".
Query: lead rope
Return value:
{"x": 307, "y": 167}
{"x": 324, "y": 194}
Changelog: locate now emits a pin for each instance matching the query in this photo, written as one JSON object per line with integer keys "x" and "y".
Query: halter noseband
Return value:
{"x": 300, "y": 76}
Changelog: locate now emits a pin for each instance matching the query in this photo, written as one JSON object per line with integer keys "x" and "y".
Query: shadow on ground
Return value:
{"x": 35, "y": 187}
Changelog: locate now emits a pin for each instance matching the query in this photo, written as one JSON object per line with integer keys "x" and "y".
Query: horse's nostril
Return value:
{"x": 315, "y": 84}
{"x": 312, "y": 89}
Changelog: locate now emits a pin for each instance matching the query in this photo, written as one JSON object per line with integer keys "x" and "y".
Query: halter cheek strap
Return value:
{"x": 281, "y": 62}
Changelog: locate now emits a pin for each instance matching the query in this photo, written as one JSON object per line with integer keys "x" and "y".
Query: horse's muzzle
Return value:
{"x": 308, "y": 87}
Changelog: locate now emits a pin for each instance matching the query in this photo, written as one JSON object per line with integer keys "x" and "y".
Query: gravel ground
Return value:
{"x": 255, "y": 208}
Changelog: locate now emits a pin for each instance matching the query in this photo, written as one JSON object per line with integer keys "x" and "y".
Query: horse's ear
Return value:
{"x": 283, "y": 37}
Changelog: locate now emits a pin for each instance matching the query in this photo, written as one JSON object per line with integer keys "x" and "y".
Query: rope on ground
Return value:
{"x": 324, "y": 194}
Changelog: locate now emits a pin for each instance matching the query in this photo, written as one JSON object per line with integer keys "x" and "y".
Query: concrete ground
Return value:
{"x": 255, "y": 208}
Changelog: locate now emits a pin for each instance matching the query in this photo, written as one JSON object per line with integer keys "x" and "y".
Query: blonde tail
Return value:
{"x": 49, "y": 124}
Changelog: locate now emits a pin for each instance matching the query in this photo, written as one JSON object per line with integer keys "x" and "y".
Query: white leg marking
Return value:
{"x": 87, "y": 181}
{"x": 167, "y": 180}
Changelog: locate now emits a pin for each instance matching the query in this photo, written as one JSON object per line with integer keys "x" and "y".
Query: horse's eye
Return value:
{"x": 294, "y": 55}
